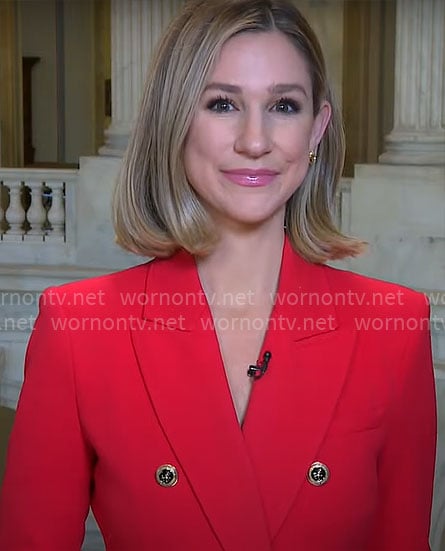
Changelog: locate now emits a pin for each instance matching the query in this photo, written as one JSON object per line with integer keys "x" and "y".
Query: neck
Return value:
{"x": 244, "y": 262}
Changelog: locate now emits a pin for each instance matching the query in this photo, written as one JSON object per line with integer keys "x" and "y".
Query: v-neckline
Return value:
{"x": 262, "y": 349}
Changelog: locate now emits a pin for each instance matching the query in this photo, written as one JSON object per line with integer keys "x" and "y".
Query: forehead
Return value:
{"x": 261, "y": 59}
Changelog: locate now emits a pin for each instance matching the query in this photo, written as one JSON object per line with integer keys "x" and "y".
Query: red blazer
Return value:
{"x": 124, "y": 375}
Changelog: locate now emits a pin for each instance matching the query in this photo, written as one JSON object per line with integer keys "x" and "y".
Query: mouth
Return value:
{"x": 251, "y": 178}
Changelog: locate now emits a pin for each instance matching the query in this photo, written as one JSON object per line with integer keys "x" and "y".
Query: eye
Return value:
{"x": 220, "y": 105}
{"x": 287, "y": 106}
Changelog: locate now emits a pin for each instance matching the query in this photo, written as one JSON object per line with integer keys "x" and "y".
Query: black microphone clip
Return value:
{"x": 258, "y": 370}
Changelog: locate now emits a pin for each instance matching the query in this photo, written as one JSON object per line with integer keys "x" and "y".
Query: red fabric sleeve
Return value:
{"x": 44, "y": 499}
{"x": 406, "y": 464}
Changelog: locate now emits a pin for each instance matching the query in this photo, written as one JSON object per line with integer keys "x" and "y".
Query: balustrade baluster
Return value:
{"x": 2, "y": 210}
{"x": 15, "y": 213}
{"x": 56, "y": 213}
{"x": 36, "y": 214}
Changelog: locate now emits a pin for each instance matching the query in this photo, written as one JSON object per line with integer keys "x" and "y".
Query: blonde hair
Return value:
{"x": 155, "y": 209}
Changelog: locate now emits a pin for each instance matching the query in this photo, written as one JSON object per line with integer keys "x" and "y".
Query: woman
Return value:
{"x": 235, "y": 393}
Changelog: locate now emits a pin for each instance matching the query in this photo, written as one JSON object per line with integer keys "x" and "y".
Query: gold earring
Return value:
{"x": 312, "y": 157}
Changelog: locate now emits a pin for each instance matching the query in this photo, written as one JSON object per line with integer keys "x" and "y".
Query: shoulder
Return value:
{"x": 355, "y": 292}
{"x": 108, "y": 290}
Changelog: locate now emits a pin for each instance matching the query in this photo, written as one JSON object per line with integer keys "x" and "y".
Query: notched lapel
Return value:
{"x": 185, "y": 381}
{"x": 290, "y": 413}
{"x": 292, "y": 406}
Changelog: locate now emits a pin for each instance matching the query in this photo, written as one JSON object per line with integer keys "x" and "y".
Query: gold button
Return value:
{"x": 166, "y": 476}
{"x": 318, "y": 474}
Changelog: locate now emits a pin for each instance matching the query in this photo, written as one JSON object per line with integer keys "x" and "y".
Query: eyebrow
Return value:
{"x": 274, "y": 89}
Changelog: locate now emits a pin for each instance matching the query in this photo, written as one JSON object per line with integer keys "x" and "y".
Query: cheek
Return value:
{"x": 201, "y": 154}
{"x": 294, "y": 144}
{"x": 205, "y": 141}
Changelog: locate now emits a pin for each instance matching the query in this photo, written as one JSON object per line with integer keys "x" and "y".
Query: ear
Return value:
{"x": 320, "y": 124}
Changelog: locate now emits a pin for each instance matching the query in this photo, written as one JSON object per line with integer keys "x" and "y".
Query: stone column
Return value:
{"x": 136, "y": 26}
{"x": 11, "y": 119}
{"x": 418, "y": 136}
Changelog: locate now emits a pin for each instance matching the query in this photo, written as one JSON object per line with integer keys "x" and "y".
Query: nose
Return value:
{"x": 253, "y": 137}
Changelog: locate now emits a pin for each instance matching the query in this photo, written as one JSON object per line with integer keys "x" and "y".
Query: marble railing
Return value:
{"x": 33, "y": 204}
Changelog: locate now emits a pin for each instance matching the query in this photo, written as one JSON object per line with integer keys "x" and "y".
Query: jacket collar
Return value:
{"x": 303, "y": 307}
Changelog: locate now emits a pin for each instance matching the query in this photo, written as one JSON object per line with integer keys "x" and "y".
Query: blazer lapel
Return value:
{"x": 292, "y": 406}
{"x": 181, "y": 366}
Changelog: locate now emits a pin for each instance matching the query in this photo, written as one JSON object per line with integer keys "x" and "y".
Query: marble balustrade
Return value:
{"x": 32, "y": 205}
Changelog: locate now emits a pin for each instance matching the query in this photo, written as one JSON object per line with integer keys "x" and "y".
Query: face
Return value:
{"x": 248, "y": 146}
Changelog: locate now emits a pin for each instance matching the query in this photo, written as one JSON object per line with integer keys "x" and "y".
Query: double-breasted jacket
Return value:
{"x": 126, "y": 407}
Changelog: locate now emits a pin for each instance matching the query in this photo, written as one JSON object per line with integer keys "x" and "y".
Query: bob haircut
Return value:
{"x": 155, "y": 210}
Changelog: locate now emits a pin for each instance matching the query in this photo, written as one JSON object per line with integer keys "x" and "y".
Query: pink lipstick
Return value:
{"x": 251, "y": 177}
